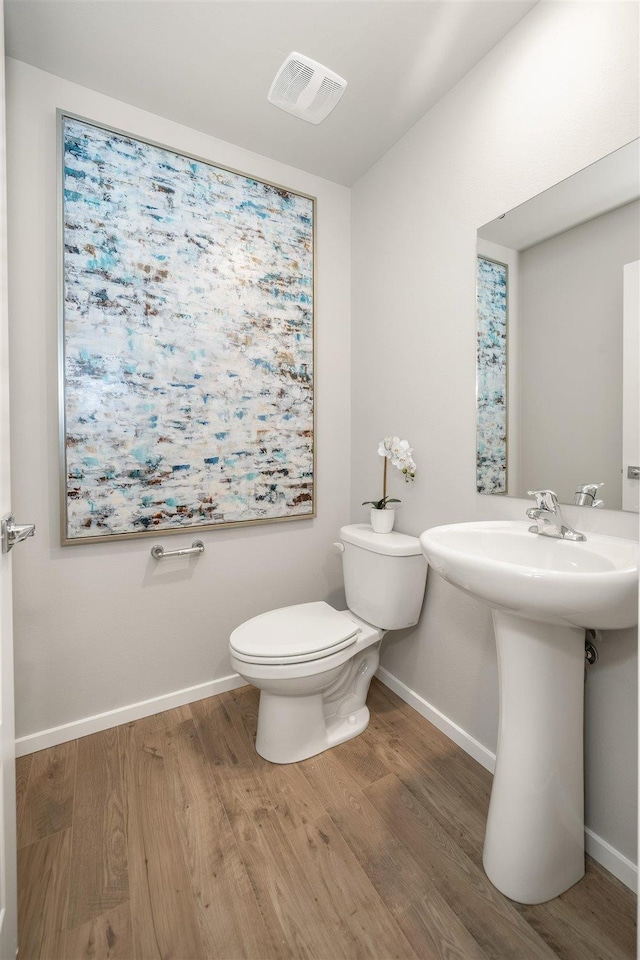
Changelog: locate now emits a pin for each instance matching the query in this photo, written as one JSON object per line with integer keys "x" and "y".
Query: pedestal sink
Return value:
{"x": 543, "y": 593}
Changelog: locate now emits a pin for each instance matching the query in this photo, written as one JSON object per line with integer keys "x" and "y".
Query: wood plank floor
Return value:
{"x": 171, "y": 838}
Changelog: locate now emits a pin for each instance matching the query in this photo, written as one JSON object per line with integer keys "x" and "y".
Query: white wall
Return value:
{"x": 102, "y": 626}
{"x": 571, "y": 356}
{"x": 559, "y": 92}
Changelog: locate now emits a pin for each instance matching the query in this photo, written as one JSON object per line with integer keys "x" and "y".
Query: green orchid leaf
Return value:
{"x": 380, "y": 504}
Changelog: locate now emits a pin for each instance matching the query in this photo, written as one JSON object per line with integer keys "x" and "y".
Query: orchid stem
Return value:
{"x": 384, "y": 480}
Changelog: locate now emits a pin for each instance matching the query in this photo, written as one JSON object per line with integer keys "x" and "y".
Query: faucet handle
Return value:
{"x": 545, "y": 499}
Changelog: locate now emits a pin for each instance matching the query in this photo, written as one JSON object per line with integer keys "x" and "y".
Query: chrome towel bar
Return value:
{"x": 159, "y": 553}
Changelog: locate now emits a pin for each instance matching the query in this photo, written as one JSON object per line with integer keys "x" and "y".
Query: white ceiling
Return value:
{"x": 209, "y": 64}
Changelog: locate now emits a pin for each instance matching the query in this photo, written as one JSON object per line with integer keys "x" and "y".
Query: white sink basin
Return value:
{"x": 543, "y": 593}
{"x": 592, "y": 583}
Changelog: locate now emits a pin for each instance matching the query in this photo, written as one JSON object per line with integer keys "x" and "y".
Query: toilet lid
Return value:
{"x": 306, "y": 631}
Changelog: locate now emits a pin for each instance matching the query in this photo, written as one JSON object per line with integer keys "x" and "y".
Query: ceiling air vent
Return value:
{"x": 306, "y": 89}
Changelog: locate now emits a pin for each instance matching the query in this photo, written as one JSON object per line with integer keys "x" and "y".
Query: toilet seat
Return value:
{"x": 299, "y": 633}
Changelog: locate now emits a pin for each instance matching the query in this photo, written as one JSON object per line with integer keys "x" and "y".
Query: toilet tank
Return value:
{"x": 384, "y": 576}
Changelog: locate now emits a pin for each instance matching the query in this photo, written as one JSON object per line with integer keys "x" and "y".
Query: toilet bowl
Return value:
{"x": 313, "y": 664}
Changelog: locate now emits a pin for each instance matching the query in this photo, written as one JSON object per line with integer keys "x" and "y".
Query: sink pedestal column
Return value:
{"x": 534, "y": 844}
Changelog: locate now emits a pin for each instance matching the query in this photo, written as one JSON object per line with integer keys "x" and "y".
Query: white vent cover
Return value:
{"x": 306, "y": 88}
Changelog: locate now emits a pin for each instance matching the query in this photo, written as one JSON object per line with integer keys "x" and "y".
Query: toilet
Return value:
{"x": 313, "y": 664}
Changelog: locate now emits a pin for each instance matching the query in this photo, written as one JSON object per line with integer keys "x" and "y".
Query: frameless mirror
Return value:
{"x": 558, "y": 282}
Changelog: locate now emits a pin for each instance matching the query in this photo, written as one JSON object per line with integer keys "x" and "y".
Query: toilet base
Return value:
{"x": 288, "y": 735}
{"x": 293, "y": 728}
{"x": 340, "y": 729}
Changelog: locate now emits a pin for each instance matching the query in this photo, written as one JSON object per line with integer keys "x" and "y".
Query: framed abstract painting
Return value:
{"x": 186, "y": 341}
{"x": 491, "y": 375}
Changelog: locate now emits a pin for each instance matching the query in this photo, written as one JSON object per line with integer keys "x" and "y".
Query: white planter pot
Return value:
{"x": 382, "y": 520}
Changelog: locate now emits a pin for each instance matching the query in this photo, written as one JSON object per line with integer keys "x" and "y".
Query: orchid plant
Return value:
{"x": 400, "y": 454}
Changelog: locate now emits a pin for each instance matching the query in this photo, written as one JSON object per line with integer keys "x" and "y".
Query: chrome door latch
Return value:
{"x": 13, "y": 532}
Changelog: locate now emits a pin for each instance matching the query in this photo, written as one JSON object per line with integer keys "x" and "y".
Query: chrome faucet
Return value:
{"x": 548, "y": 517}
{"x": 585, "y": 495}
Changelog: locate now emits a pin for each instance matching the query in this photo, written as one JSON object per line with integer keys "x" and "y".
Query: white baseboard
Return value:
{"x": 471, "y": 746}
{"x": 133, "y": 711}
{"x": 610, "y": 858}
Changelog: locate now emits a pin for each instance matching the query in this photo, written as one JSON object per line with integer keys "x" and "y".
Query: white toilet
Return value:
{"x": 313, "y": 664}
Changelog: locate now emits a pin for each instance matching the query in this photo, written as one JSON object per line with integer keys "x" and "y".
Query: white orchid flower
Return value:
{"x": 401, "y": 456}
{"x": 400, "y": 447}
{"x": 400, "y": 453}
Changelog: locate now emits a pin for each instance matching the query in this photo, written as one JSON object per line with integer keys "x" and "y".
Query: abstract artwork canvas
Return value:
{"x": 187, "y": 335}
{"x": 492, "y": 317}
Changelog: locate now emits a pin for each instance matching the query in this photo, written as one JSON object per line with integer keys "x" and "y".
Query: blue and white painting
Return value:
{"x": 188, "y": 341}
{"x": 492, "y": 315}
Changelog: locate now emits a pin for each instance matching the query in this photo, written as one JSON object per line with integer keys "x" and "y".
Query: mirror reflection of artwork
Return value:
{"x": 188, "y": 341}
{"x": 492, "y": 310}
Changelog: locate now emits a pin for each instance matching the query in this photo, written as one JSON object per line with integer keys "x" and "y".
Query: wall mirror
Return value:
{"x": 558, "y": 283}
